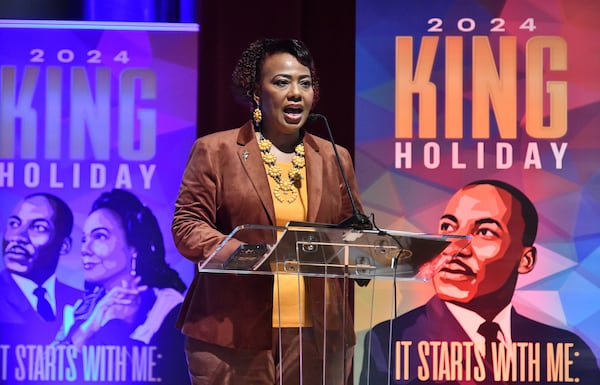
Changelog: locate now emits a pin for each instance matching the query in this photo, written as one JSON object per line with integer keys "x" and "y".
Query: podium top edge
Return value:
{"x": 311, "y": 226}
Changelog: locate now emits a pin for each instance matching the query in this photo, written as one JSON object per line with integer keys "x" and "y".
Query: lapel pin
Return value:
{"x": 245, "y": 155}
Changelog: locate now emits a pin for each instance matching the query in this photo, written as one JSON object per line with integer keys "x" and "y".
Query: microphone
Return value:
{"x": 358, "y": 220}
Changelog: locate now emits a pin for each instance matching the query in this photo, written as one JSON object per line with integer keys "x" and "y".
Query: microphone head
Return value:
{"x": 358, "y": 221}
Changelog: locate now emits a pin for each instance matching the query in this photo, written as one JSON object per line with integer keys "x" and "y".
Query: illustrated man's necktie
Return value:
{"x": 43, "y": 306}
{"x": 489, "y": 330}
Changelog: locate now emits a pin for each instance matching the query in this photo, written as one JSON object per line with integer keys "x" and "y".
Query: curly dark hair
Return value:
{"x": 246, "y": 74}
{"x": 143, "y": 233}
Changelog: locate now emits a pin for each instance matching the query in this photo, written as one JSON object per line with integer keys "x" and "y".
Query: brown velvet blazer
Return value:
{"x": 225, "y": 185}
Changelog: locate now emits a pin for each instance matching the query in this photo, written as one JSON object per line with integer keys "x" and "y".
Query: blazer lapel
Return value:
{"x": 251, "y": 160}
{"x": 314, "y": 176}
{"x": 249, "y": 156}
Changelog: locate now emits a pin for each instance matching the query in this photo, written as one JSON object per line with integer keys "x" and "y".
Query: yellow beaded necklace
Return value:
{"x": 286, "y": 189}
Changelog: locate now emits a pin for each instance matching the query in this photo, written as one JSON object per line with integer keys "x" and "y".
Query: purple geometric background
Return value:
{"x": 166, "y": 50}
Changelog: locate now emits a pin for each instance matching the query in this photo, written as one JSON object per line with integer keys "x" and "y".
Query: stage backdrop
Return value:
{"x": 86, "y": 108}
{"x": 448, "y": 92}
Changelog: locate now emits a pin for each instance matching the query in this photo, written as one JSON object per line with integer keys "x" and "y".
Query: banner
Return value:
{"x": 452, "y": 92}
{"x": 96, "y": 121}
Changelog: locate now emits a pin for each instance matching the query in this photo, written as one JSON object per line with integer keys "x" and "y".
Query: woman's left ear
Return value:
{"x": 256, "y": 99}
{"x": 528, "y": 259}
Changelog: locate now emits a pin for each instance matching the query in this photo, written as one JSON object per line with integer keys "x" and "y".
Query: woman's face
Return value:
{"x": 105, "y": 254}
{"x": 285, "y": 94}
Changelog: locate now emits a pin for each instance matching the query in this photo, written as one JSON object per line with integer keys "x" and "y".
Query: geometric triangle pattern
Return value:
{"x": 405, "y": 183}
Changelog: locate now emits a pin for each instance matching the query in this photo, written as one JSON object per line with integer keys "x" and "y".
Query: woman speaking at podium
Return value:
{"x": 253, "y": 329}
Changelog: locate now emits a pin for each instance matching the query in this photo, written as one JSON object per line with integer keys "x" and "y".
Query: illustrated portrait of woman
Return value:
{"x": 132, "y": 296}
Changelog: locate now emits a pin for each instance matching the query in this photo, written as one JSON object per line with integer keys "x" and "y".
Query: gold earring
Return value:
{"x": 257, "y": 116}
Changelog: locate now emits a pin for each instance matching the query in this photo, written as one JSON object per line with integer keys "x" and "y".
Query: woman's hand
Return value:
{"x": 121, "y": 302}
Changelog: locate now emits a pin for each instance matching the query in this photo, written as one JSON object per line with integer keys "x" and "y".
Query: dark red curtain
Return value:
{"x": 228, "y": 26}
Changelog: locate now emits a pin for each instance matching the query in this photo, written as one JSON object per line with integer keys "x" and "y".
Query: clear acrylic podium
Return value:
{"x": 338, "y": 257}
{"x": 315, "y": 249}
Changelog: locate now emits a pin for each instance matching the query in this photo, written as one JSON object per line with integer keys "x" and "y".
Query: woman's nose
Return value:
{"x": 294, "y": 90}
{"x": 85, "y": 248}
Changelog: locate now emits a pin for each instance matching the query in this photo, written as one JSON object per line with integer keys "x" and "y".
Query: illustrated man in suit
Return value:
{"x": 444, "y": 341}
{"x": 37, "y": 233}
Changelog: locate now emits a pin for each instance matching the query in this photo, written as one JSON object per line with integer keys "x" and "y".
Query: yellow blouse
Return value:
{"x": 290, "y": 307}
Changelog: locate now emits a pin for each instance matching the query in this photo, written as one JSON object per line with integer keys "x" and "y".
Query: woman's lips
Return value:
{"x": 89, "y": 265}
{"x": 293, "y": 114}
